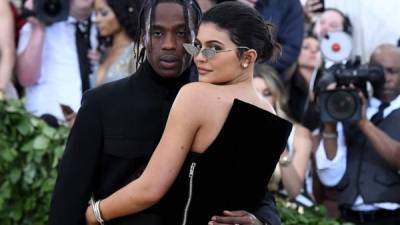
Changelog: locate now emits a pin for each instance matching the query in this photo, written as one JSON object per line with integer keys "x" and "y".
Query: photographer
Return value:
{"x": 50, "y": 64}
{"x": 362, "y": 160}
{"x": 374, "y": 22}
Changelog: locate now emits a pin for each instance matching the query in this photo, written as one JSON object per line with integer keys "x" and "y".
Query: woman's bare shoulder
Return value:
{"x": 193, "y": 96}
{"x": 197, "y": 87}
{"x": 198, "y": 92}
{"x": 204, "y": 98}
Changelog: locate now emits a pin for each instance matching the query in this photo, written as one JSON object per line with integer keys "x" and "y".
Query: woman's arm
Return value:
{"x": 164, "y": 165}
{"x": 293, "y": 174}
{"x": 7, "y": 45}
{"x": 29, "y": 62}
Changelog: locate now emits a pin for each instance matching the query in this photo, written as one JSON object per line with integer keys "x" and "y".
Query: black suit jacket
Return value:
{"x": 116, "y": 130}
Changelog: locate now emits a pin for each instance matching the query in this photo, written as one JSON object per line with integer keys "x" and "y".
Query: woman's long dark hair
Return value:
{"x": 127, "y": 12}
{"x": 245, "y": 26}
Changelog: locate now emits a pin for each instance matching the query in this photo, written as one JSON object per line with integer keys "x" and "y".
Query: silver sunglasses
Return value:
{"x": 208, "y": 53}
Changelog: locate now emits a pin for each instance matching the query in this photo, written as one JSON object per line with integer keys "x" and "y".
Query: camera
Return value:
{"x": 49, "y": 11}
{"x": 343, "y": 103}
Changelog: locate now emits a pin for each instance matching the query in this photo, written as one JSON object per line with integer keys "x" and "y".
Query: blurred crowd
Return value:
{"x": 338, "y": 154}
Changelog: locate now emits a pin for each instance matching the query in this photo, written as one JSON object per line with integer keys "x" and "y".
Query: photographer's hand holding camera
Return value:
{"x": 360, "y": 155}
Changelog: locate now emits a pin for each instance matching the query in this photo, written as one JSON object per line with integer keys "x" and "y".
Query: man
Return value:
{"x": 369, "y": 31}
{"x": 362, "y": 160}
{"x": 48, "y": 65}
{"x": 332, "y": 20}
{"x": 288, "y": 19}
{"x": 120, "y": 123}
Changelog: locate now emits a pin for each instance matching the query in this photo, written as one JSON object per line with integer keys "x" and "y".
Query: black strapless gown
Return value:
{"x": 234, "y": 171}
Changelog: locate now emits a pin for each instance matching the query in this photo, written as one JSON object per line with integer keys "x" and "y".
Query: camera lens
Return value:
{"x": 341, "y": 105}
{"x": 52, "y": 8}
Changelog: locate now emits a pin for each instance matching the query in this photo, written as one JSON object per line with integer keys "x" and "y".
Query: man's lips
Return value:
{"x": 169, "y": 61}
{"x": 169, "y": 58}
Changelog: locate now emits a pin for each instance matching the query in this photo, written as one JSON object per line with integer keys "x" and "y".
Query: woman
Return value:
{"x": 117, "y": 20}
{"x": 294, "y": 161}
{"x": 308, "y": 69}
{"x": 209, "y": 130}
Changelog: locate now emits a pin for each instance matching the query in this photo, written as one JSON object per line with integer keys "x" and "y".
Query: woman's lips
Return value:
{"x": 203, "y": 71}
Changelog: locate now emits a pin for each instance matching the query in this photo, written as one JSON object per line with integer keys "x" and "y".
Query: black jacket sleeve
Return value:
{"x": 74, "y": 184}
{"x": 288, "y": 20}
{"x": 290, "y": 34}
{"x": 267, "y": 212}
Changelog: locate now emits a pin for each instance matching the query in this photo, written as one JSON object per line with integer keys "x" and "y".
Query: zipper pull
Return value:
{"x": 192, "y": 169}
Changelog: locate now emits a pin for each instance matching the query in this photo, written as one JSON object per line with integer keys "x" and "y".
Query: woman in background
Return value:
{"x": 294, "y": 161}
{"x": 117, "y": 20}
{"x": 308, "y": 68}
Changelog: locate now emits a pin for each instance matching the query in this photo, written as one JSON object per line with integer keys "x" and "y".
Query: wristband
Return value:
{"x": 329, "y": 135}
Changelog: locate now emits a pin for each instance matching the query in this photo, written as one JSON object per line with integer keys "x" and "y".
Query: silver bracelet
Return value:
{"x": 327, "y": 135}
{"x": 96, "y": 212}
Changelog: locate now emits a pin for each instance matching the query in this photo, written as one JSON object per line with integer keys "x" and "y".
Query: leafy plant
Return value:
{"x": 293, "y": 214}
{"x": 29, "y": 154}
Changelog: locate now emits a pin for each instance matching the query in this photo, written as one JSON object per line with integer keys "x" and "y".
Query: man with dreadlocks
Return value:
{"x": 119, "y": 124}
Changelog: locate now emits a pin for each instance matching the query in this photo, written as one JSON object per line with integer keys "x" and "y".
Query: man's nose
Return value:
{"x": 169, "y": 42}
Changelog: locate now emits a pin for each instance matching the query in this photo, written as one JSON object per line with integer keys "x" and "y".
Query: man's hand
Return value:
{"x": 235, "y": 217}
{"x": 364, "y": 103}
{"x": 311, "y": 6}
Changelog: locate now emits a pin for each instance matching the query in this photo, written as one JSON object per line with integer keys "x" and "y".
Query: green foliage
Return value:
{"x": 293, "y": 214}
{"x": 30, "y": 151}
{"x": 29, "y": 154}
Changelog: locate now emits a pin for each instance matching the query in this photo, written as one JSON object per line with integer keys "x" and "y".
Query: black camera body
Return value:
{"x": 51, "y": 11}
{"x": 346, "y": 74}
{"x": 343, "y": 103}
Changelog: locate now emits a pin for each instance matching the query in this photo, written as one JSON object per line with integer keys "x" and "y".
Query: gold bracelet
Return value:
{"x": 329, "y": 135}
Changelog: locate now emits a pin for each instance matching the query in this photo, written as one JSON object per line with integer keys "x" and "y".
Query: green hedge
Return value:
{"x": 293, "y": 214}
{"x": 29, "y": 154}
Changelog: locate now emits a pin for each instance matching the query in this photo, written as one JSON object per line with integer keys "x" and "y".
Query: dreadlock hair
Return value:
{"x": 191, "y": 12}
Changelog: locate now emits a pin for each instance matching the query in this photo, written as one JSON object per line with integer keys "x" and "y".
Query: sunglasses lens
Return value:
{"x": 208, "y": 53}
{"x": 191, "y": 49}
